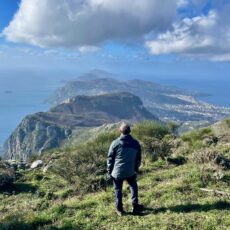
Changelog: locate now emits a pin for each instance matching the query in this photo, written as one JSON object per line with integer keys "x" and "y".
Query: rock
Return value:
{"x": 36, "y": 164}
{"x": 45, "y": 169}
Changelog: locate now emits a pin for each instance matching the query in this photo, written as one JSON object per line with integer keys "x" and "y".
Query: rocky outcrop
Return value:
{"x": 34, "y": 135}
{"x": 43, "y": 131}
{"x": 36, "y": 164}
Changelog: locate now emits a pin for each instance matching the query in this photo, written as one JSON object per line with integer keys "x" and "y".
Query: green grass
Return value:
{"x": 227, "y": 121}
{"x": 171, "y": 195}
{"x": 195, "y": 138}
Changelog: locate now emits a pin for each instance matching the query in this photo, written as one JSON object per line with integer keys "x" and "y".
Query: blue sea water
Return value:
{"x": 15, "y": 105}
{"x": 24, "y": 93}
{"x": 215, "y": 91}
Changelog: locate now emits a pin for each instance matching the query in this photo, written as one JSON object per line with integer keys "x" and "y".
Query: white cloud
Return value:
{"x": 202, "y": 36}
{"x": 221, "y": 57}
{"x": 182, "y": 3}
{"x": 83, "y": 25}
{"x": 88, "y": 49}
{"x": 75, "y": 23}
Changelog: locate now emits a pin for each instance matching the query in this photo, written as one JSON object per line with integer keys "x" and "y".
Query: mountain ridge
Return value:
{"x": 45, "y": 130}
{"x": 167, "y": 103}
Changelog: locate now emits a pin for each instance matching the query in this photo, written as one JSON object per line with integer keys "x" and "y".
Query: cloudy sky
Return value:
{"x": 168, "y": 37}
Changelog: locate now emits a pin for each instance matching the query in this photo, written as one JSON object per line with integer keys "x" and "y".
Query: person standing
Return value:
{"x": 123, "y": 162}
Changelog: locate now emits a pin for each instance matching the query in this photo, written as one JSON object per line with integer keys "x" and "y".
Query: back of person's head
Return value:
{"x": 125, "y": 128}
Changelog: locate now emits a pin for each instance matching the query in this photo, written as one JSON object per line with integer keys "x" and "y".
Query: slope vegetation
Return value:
{"x": 73, "y": 193}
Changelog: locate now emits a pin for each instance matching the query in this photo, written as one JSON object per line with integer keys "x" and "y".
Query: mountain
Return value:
{"x": 167, "y": 103}
{"x": 42, "y": 131}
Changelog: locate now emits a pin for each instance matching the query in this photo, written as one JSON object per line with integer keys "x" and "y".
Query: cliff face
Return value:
{"x": 34, "y": 135}
{"x": 44, "y": 131}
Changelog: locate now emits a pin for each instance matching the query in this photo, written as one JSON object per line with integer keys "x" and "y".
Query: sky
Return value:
{"x": 170, "y": 38}
{"x": 44, "y": 43}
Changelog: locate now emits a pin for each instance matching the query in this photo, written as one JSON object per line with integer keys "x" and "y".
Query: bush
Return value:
{"x": 86, "y": 166}
{"x": 212, "y": 165}
{"x": 173, "y": 127}
{"x": 211, "y": 173}
{"x": 228, "y": 122}
{"x": 6, "y": 177}
{"x": 150, "y": 129}
{"x": 156, "y": 148}
{"x": 204, "y": 156}
{"x": 195, "y": 139}
{"x": 211, "y": 156}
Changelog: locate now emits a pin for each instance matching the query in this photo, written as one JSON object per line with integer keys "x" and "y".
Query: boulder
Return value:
{"x": 36, "y": 164}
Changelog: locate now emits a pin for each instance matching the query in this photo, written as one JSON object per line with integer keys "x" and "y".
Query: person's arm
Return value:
{"x": 111, "y": 158}
{"x": 138, "y": 159}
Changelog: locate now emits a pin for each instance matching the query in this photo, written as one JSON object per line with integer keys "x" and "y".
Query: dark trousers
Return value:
{"x": 118, "y": 183}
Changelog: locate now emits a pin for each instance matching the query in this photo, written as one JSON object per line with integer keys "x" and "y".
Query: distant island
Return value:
{"x": 166, "y": 102}
{"x": 8, "y": 91}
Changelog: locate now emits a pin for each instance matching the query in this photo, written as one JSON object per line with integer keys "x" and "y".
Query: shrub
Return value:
{"x": 172, "y": 127}
{"x": 86, "y": 166}
{"x": 156, "y": 148}
{"x": 228, "y": 122}
{"x": 149, "y": 129}
{"x": 6, "y": 177}
{"x": 204, "y": 156}
{"x": 211, "y": 155}
{"x": 195, "y": 138}
{"x": 212, "y": 165}
{"x": 211, "y": 173}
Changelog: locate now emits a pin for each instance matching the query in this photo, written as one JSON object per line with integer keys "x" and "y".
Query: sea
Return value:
{"x": 25, "y": 93}
{"x": 215, "y": 91}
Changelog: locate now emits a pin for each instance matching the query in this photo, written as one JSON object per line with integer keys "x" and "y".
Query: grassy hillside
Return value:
{"x": 73, "y": 193}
